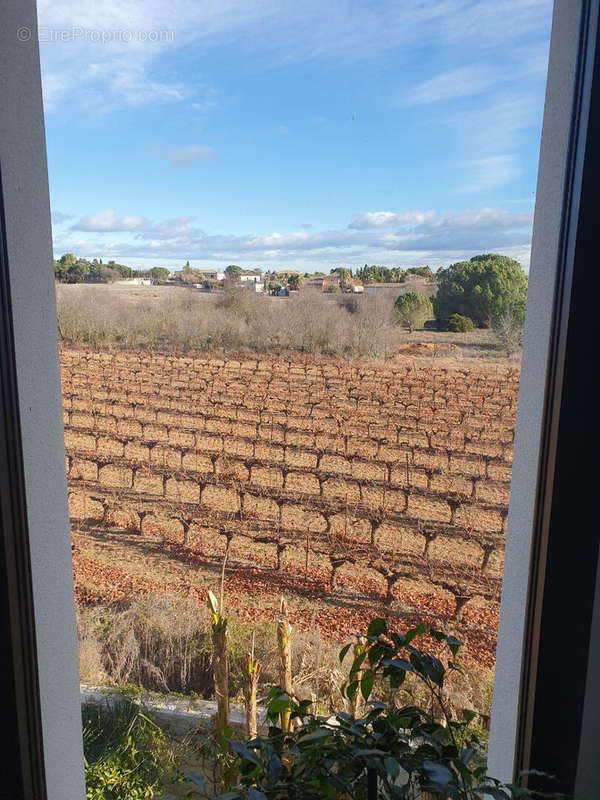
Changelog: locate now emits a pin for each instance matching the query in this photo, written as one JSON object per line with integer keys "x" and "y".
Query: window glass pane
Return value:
{"x": 291, "y": 251}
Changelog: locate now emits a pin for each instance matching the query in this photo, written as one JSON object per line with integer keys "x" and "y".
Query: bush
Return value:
{"x": 235, "y": 321}
{"x": 162, "y": 643}
{"x": 126, "y": 753}
{"x": 508, "y": 328}
{"x": 391, "y": 745}
{"x": 458, "y": 323}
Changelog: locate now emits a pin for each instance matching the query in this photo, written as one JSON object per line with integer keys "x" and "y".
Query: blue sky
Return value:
{"x": 296, "y": 134}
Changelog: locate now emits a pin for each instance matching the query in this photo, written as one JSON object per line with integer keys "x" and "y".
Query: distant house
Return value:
{"x": 330, "y": 281}
{"x": 137, "y": 281}
{"x": 202, "y": 274}
{"x": 356, "y": 287}
{"x": 249, "y": 277}
{"x": 314, "y": 283}
{"x": 211, "y": 274}
{"x": 377, "y": 288}
{"x": 284, "y": 274}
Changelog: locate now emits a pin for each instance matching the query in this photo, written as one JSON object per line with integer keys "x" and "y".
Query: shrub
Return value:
{"x": 508, "y": 328}
{"x": 458, "y": 323}
{"x": 126, "y": 753}
{"x": 393, "y": 749}
{"x": 162, "y": 643}
{"x": 235, "y": 321}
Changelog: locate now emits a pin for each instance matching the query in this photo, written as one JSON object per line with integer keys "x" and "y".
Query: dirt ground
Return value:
{"x": 355, "y": 490}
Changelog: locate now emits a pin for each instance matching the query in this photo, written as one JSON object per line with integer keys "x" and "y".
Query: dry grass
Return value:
{"x": 162, "y": 642}
{"x": 238, "y": 321}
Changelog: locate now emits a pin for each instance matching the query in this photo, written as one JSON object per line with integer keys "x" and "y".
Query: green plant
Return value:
{"x": 412, "y": 310}
{"x": 396, "y": 750}
{"x": 458, "y": 323}
{"x": 126, "y": 753}
{"x": 481, "y": 288}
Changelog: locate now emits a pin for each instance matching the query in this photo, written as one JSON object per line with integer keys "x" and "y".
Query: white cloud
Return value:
{"x": 484, "y": 174}
{"x": 387, "y": 219}
{"x": 461, "y": 82}
{"x": 170, "y": 229}
{"x": 59, "y": 216}
{"x": 108, "y": 222}
{"x": 112, "y": 47}
{"x": 498, "y": 127}
{"x": 419, "y": 237}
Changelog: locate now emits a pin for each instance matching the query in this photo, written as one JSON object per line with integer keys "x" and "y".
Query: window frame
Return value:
{"x": 39, "y": 606}
{"x": 38, "y": 609}
{"x": 526, "y": 690}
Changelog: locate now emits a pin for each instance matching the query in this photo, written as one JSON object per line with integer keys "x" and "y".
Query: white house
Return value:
{"x": 211, "y": 274}
{"x": 137, "y": 281}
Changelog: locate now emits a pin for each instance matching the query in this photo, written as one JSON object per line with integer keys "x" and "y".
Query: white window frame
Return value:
{"x": 53, "y": 725}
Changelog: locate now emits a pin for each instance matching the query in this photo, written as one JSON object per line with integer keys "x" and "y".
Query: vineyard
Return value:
{"x": 356, "y": 489}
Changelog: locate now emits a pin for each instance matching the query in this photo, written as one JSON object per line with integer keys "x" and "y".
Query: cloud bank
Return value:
{"x": 381, "y": 237}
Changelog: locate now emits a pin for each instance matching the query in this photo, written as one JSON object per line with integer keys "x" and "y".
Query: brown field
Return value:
{"x": 353, "y": 488}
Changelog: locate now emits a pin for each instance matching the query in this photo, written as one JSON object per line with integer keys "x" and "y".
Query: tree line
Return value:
{"x": 488, "y": 291}
{"x": 72, "y": 269}
{"x": 483, "y": 292}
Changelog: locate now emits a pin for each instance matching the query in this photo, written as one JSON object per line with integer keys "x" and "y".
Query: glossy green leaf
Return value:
{"x": 454, "y": 644}
{"x": 343, "y": 652}
{"x": 438, "y": 775}
{"x": 366, "y": 683}
{"x": 398, "y": 663}
{"x": 319, "y": 733}
{"x": 377, "y": 626}
{"x": 255, "y": 794}
{"x": 419, "y": 630}
{"x": 241, "y": 750}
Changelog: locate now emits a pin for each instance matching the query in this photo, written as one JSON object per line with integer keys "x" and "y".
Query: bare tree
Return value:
{"x": 509, "y": 332}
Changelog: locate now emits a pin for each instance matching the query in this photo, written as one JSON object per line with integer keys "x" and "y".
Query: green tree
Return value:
{"x": 76, "y": 272}
{"x": 232, "y": 270}
{"x": 412, "y": 310}
{"x": 345, "y": 274}
{"x": 424, "y": 272}
{"x": 68, "y": 260}
{"x": 159, "y": 273}
{"x": 482, "y": 288}
{"x": 375, "y": 274}
{"x": 60, "y": 271}
{"x": 124, "y": 271}
{"x": 295, "y": 281}
{"x": 459, "y": 324}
